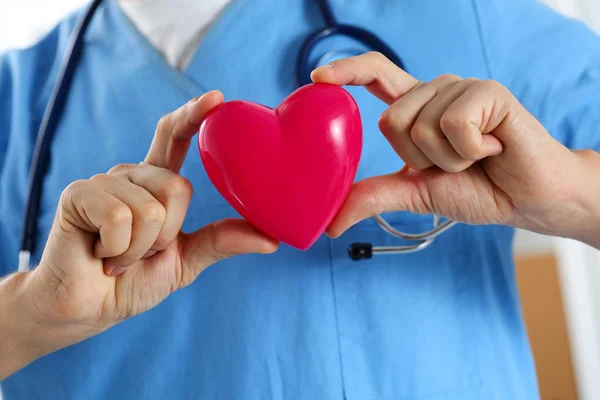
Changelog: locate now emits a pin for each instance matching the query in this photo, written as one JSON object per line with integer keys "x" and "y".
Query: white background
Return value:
{"x": 22, "y": 22}
{"x": 580, "y": 267}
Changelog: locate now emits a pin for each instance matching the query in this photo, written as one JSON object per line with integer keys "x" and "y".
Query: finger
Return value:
{"x": 219, "y": 240}
{"x": 175, "y": 131}
{"x": 86, "y": 206}
{"x": 173, "y": 191}
{"x": 398, "y": 120}
{"x": 373, "y": 70}
{"x": 483, "y": 108}
{"x": 400, "y": 191}
{"x": 465, "y": 129}
{"x": 148, "y": 218}
{"x": 427, "y": 133}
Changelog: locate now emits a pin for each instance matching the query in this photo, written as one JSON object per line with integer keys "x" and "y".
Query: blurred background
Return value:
{"x": 558, "y": 279}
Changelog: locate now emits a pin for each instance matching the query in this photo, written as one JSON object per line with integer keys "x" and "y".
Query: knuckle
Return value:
{"x": 491, "y": 85}
{"x": 102, "y": 178}
{"x": 389, "y": 122}
{"x": 470, "y": 80}
{"x": 164, "y": 123}
{"x": 178, "y": 185}
{"x": 120, "y": 169}
{"x": 420, "y": 133}
{"x": 376, "y": 56}
{"x": 119, "y": 214}
{"x": 454, "y": 124}
{"x": 220, "y": 243}
{"x": 447, "y": 79}
{"x": 70, "y": 202}
{"x": 74, "y": 188}
{"x": 98, "y": 177}
{"x": 73, "y": 194}
{"x": 153, "y": 212}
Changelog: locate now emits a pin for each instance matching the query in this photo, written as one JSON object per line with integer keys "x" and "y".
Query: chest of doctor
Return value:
{"x": 110, "y": 118}
{"x": 112, "y": 113}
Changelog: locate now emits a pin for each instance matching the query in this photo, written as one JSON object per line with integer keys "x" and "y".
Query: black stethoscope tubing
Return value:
{"x": 59, "y": 95}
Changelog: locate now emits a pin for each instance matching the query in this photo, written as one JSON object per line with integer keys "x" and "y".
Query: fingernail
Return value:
{"x": 118, "y": 271}
{"x": 312, "y": 77}
{"x": 112, "y": 270}
{"x": 330, "y": 65}
{"x": 150, "y": 253}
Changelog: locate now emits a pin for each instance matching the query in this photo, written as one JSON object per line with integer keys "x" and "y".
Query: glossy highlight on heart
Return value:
{"x": 287, "y": 170}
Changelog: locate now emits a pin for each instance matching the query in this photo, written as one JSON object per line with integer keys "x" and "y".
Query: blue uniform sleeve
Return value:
{"x": 26, "y": 78}
{"x": 5, "y": 107}
{"x": 550, "y": 62}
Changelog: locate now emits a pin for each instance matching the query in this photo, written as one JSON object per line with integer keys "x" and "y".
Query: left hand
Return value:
{"x": 117, "y": 248}
{"x": 473, "y": 154}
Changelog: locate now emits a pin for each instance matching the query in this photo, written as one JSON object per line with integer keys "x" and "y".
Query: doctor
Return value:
{"x": 122, "y": 303}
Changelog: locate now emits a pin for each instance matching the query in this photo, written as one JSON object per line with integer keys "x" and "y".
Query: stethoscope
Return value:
{"x": 356, "y": 251}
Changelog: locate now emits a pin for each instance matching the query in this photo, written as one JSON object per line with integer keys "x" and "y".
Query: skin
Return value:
{"x": 116, "y": 249}
{"x": 473, "y": 154}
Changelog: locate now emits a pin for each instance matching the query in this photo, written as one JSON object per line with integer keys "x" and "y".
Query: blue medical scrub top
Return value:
{"x": 444, "y": 323}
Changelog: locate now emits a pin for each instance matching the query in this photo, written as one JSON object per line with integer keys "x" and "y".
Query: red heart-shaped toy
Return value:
{"x": 287, "y": 170}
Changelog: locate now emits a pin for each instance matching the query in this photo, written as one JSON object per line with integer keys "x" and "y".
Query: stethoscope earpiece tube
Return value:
{"x": 332, "y": 28}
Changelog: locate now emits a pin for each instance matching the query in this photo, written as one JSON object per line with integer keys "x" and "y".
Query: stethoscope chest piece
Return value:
{"x": 362, "y": 251}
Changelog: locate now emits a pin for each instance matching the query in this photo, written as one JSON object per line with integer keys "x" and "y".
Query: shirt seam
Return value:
{"x": 482, "y": 40}
{"x": 337, "y": 322}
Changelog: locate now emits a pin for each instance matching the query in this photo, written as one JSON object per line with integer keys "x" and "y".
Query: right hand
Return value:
{"x": 116, "y": 248}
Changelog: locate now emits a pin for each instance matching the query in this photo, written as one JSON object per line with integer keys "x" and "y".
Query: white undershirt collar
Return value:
{"x": 174, "y": 27}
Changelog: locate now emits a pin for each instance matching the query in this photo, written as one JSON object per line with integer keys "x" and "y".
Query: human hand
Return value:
{"x": 473, "y": 154}
{"x": 116, "y": 248}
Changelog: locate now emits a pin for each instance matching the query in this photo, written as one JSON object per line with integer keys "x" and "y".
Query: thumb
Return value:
{"x": 223, "y": 239}
{"x": 399, "y": 191}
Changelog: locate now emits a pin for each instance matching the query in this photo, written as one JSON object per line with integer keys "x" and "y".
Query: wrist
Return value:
{"x": 586, "y": 189}
{"x": 19, "y": 331}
